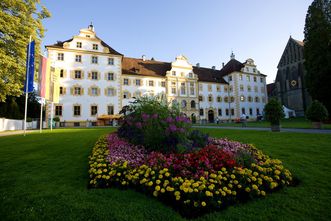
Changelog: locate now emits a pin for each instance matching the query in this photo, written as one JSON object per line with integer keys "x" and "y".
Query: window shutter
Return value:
{"x": 128, "y": 81}
{"x": 98, "y": 91}
{"x": 82, "y": 76}
{"x": 114, "y": 92}
{"x": 64, "y": 90}
{"x": 106, "y": 92}
{"x": 89, "y": 75}
{"x": 82, "y": 91}
{"x": 141, "y": 82}
{"x": 106, "y": 77}
{"x": 72, "y": 90}
{"x": 89, "y": 91}
{"x": 99, "y": 76}
{"x": 114, "y": 76}
{"x": 72, "y": 74}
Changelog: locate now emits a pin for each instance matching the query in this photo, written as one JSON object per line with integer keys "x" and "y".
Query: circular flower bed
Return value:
{"x": 193, "y": 179}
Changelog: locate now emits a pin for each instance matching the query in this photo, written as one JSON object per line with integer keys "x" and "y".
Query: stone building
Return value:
{"x": 97, "y": 80}
{"x": 290, "y": 82}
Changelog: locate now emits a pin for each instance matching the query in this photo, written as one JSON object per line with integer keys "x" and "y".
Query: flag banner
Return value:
{"x": 52, "y": 83}
{"x": 29, "y": 68}
{"x": 42, "y": 76}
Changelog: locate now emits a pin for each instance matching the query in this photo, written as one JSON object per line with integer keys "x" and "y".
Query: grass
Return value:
{"x": 44, "y": 177}
{"x": 285, "y": 123}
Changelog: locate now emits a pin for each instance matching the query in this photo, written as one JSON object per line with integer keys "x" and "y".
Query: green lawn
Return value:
{"x": 285, "y": 123}
{"x": 44, "y": 177}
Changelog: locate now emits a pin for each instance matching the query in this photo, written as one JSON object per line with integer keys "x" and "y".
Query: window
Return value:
{"x": 110, "y": 76}
{"x": 61, "y": 90}
{"x": 200, "y": 98}
{"x": 78, "y": 44}
{"x": 58, "y": 110}
{"x": 78, "y": 74}
{"x": 94, "y": 75}
{"x": 232, "y": 112}
{"x": 111, "y": 61}
{"x": 126, "y": 81}
{"x": 257, "y": 111}
{"x": 77, "y": 91}
{"x": 94, "y": 91}
{"x": 225, "y": 88}
{"x": 250, "y": 111}
{"x": 218, "y": 88}
{"x": 94, "y": 110}
{"x": 182, "y": 74}
{"x": 78, "y": 58}
{"x": 110, "y": 92}
{"x": 241, "y": 87}
{"x": 210, "y": 98}
{"x": 61, "y": 73}
{"x": 247, "y": 69}
{"x": 184, "y": 103}
{"x": 226, "y": 99}
{"x": 249, "y": 88}
{"x": 254, "y": 70}
{"x": 254, "y": 78}
{"x": 262, "y": 89}
{"x": 76, "y": 110}
{"x": 151, "y": 83}
{"x": 94, "y": 60}
{"x": 200, "y": 87}
{"x": 219, "y": 112}
{"x": 231, "y": 99}
{"x": 201, "y": 112}
{"x": 231, "y": 88}
{"x": 76, "y": 124}
{"x": 240, "y": 77}
{"x": 163, "y": 83}
{"x": 250, "y": 99}
{"x": 173, "y": 87}
{"x": 230, "y": 78}
{"x": 227, "y": 112}
{"x": 263, "y": 100}
{"x": 192, "y": 91}
{"x": 190, "y": 75}
{"x": 255, "y": 89}
{"x": 209, "y": 87}
{"x": 219, "y": 99}
{"x": 242, "y": 98}
{"x": 88, "y": 36}
{"x": 110, "y": 109}
{"x": 60, "y": 56}
{"x": 248, "y": 78}
{"x": 126, "y": 95}
{"x": 173, "y": 73}
{"x": 182, "y": 88}
{"x": 95, "y": 47}
{"x": 243, "y": 111}
{"x": 192, "y": 104}
{"x": 261, "y": 80}
{"x": 138, "y": 82}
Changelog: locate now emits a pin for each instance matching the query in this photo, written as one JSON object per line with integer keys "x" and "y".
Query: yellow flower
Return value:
{"x": 162, "y": 190}
{"x": 255, "y": 187}
{"x": 176, "y": 193}
{"x": 208, "y": 193}
{"x": 196, "y": 204}
{"x": 155, "y": 193}
{"x": 178, "y": 197}
{"x": 157, "y": 188}
{"x": 247, "y": 189}
{"x": 233, "y": 176}
{"x": 157, "y": 181}
{"x": 203, "y": 203}
{"x": 167, "y": 174}
{"x": 262, "y": 193}
{"x": 150, "y": 183}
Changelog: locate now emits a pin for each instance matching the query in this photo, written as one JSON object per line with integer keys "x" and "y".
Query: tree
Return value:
{"x": 18, "y": 20}
{"x": 317, "y": 51}
{"x": 273, "y": 112}
{"x": 317, "y": 112}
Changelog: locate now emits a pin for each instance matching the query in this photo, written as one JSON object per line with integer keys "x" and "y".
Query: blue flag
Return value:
{"x": 29, "y": 67}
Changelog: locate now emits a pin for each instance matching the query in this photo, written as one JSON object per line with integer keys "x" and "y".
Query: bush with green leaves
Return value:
{"x": 156, "y": 125}
{"x": 317, "y": 112}
{"x": 274, "y": 112}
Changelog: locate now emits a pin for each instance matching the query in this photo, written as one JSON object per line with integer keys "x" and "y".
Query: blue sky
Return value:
{"x": 204, "y": 31}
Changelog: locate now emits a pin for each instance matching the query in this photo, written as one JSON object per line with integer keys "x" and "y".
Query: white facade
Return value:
{"x": 93, "y": 83}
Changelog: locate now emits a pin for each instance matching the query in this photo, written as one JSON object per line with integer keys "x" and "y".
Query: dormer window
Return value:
{"x": 173, "y": 73}
{"x": 95, "y": 47}
{"x": 88, "y": 36}
{"x": 78, "y": 44}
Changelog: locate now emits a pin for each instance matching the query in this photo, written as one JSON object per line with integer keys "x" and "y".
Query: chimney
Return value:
{"x": 222, "y": 64}
{"x": 198, "y": 65}
{"x": 213, "y": 67}
{"x": 143, "y": 57}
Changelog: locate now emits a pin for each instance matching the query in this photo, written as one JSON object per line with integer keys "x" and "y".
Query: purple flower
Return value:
{"x": 181, "y": 130}
{"x": 155, "y": 116}
{"x": 145, "y": 116}
{"x": 172, "y": 128}
{"x": 169, "y": 120}
{"x": 138, "y": 125}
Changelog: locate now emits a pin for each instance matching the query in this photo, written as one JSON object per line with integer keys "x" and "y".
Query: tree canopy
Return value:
{"x": 317, "y": 51}
{"x": 18, "y": 20}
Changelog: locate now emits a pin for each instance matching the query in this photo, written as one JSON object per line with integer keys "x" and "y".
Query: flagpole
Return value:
{"x": 41, "y": 115}
{"x": 26, "y": 87}
{"x": 52, "y": 116}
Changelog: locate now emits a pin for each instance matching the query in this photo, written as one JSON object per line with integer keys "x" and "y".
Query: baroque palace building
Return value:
{"x": 96, "y": 80}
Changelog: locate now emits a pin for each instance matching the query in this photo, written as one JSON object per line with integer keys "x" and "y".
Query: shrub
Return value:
{"x": 56, "y": 119}
{"x": 151, "y": 122}
{"x": 274, "y": 112}
{"x": 198, "y": 138}
{"x": 317, "y": 112}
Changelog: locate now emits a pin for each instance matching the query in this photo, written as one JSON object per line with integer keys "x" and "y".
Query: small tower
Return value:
{"x": 232, "y": 55}
{"x": 91, "y": 27}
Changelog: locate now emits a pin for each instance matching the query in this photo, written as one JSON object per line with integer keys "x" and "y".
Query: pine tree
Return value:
{"x": 18, "y": 20}
{"x": 317, "y": 51}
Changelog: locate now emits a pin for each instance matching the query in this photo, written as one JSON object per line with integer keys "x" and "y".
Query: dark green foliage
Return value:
{"x": 274, "y": 112}
{"x": 244, "y": 158}
{"x": 317, "y": 50}
{"x": 198, "y": 138}
{"x": 317, "y": 112}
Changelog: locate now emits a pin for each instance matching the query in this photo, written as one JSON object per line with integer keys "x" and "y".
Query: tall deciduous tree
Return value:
{"x": 18, "y": 20}
{"x": 317, "y": 51}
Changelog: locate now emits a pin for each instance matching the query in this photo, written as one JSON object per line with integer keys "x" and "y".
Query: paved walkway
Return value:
{"x": 15, "y": 132}
{"x": 297, "y": 130}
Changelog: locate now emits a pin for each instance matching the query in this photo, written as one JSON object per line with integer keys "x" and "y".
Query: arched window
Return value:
{"x": 219, "y": 99}
{"x": 250, "y": 99}
{"x": 192, "y": 104}
{"x": 226, "y": 99}
{"x": 210, "y": 98}
{"x": 242, "y": 98}
{"x": 232, "y": 99}
{"x": 184, "y": 103}
{"x": 257, "y": 99}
